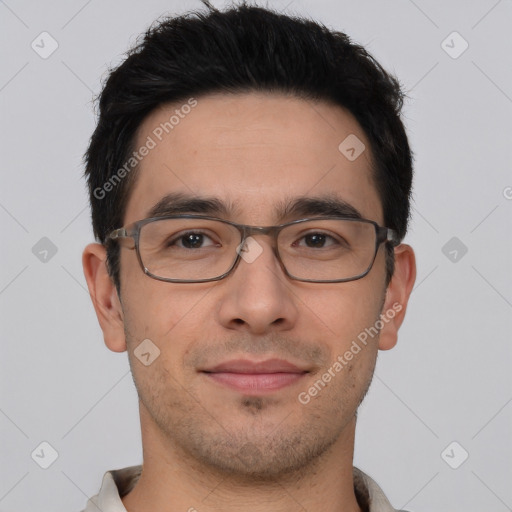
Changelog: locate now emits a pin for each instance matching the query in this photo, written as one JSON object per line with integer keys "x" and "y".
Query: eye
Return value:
{"x": 191, "y": 240}
{"x": 317, "y": 240}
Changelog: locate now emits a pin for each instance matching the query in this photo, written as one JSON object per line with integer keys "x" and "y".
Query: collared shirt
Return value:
{"x": 118, "y": 483}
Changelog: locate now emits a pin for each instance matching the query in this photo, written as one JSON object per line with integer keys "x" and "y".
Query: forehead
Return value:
{"x": 255, "y": 153}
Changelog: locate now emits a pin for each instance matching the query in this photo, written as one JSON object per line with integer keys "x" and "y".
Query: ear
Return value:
{"x": 397, "y": 296}
{"x": 104, "y": 297}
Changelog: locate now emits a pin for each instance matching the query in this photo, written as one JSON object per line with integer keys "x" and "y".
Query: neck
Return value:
{"x": 173, "y": 481}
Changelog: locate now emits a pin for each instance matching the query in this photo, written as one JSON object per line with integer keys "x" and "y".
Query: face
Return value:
{"x": 253, "y": 152}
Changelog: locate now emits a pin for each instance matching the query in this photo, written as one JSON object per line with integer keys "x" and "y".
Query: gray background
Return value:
{"x": 449, "y": 377}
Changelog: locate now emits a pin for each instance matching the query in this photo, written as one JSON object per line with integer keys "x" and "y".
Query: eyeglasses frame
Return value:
{"x": 383, "y": 234}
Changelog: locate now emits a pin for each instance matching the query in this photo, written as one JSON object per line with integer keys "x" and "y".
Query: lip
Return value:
{"x": 255, "y": 378}
{"x": 248, "y": 366}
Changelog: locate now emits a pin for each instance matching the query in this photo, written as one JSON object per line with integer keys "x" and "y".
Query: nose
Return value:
{"x": 257, "y": 295}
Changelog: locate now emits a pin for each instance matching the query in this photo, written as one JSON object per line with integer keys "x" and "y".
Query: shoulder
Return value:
{"x": 369, "y": 494}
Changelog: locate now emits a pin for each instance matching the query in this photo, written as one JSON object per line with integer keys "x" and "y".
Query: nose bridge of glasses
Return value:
{"x": 259, "y": 230}
{"x": 271, "y": 231}
{"x": 252, "y": 250}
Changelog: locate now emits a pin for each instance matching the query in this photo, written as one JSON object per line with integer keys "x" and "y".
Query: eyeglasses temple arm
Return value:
{"x": 118, "y": 233}
{"x": 392, "y": 236}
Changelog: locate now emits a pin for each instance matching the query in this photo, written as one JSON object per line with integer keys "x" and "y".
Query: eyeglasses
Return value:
{"x": 196, "y": 248}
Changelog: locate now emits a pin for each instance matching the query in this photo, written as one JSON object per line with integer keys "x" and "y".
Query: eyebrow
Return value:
{"x": 178, "y": 203}
{"x": 297, "y": 207}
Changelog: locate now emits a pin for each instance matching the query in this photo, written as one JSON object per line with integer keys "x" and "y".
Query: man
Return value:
{"x": 250, "y": 180}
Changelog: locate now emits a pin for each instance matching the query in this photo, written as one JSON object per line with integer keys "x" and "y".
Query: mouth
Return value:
{"x": 255, "y": 378}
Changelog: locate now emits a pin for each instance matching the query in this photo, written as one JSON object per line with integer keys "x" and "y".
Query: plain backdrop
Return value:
{"x": 443, "y": 394}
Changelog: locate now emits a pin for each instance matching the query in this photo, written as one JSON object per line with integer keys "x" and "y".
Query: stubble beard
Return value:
{"x": 257, "y": 449}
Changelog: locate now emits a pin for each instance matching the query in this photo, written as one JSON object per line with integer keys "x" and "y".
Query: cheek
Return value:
{"x": 343, "y": 309}
{"x": 173, "y": 317}
{"x": 153, "y": 308}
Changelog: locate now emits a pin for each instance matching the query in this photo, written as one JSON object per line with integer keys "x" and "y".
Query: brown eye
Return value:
{"x": 191, "y": 240}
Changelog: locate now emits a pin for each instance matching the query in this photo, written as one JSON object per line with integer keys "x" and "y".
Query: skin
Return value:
{"x": 207, "y": 446}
